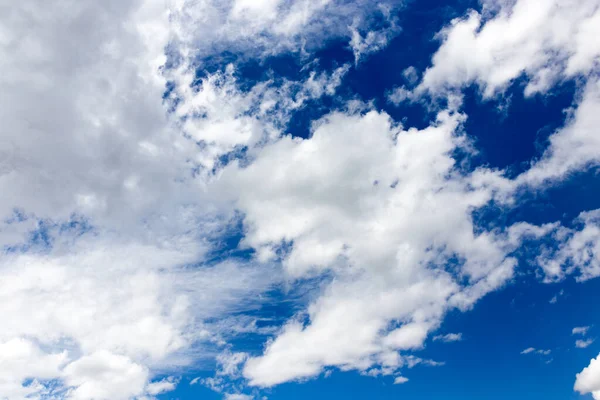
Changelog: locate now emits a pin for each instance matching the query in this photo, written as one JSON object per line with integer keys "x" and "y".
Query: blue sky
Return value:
{"x": 290, "y": 199}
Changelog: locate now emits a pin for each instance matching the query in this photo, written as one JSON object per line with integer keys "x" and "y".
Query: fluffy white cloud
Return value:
{"x": 162, "y": 386}
{"x": 373, "y": 41}
{"x": 588, "y": 380}
{"x": 578, "y": 251}
{"x": 138, "y": 306}
{"x": 400, "y": 380}
{"x": 103, "y": 375}
{"x": 574, "y": 147}
{"x": 85, "y": 133}
{"x": 93, "y": 164}
{"x": 223, "y": 118}
{"x": 381, "y": 208}
{"x": 21, "y": 359}
{"x": 87, "y": 141}
{"x": 267, "y": 27}
{"x": 545, "y": 41}
{"x": 379, "y": 220}
{"x": 84, "y": 126}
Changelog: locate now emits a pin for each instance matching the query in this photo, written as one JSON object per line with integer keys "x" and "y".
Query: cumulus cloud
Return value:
{"x": 113, "y": 196}
{"x": 259, "y": 28}
{"x": 20, "y": 359}
{"x": 116, "y": 311}
{"x": 222, "y": 118}
{"x": 574, "y": 147}
{"x": 578, "y": 250}
{"x": 588, "y": 380}
{"x": 370, "y": 218}
{"x": 544, "y": 41}
{"x": 105, "y": 375}
{"x": 162, "y": 386}
{"x": 114, "y": 287}
{"x": 84, "y": 126}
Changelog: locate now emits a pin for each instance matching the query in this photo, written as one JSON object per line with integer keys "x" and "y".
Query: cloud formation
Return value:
{"x": 124, "y": 165}
{"x": 371, "y": 218}
{"x": 588, "y": 380}
{"x": 450, "y": 337}
{"x": 545, "y": 42}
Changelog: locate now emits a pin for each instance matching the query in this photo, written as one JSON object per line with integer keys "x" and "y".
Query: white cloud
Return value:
{"x": 104, "y": 375}
{"x": 229, "y": 363}
{"x": 578, "y": 250}
{"x": 129, "y": 304}
{"x": 266, "y": 27}
{"x": 545, "y": 41}
{"x": 450, "y": 337}
{"x": 554, "y": 299}
{"x": 530, "y": 350}
{"x": 580, "y": 330}
{"x": 583, "y": 343}
{"x": 372, "y": 41}
{"x": 88, "y": 140}
{"x": 20, "y": 359}
{"x": 238, "y": 396}
{"x": 574, "y": 147}
{"x": 400, "y": 380}
{"x": 163, "y": 386}
{"x": 87, "y": 133}
{"x": 223, "y": 118}
{"x": 588, "y": 380}
{"x": 411, "y": 75}
{"x": 400, "y": 95}
{"x": 370, "y": 217}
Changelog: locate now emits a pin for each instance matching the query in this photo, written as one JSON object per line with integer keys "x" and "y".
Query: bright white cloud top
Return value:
{"x": 131, "y": 194}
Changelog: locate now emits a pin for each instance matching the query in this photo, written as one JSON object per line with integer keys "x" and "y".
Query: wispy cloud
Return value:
{"x": 530, "y": 350}
{"x": 580, "y": 330}
{"x": 583, "y": 343}
{"x": 450, "y": 337}
{"x": 554, "y": 299}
